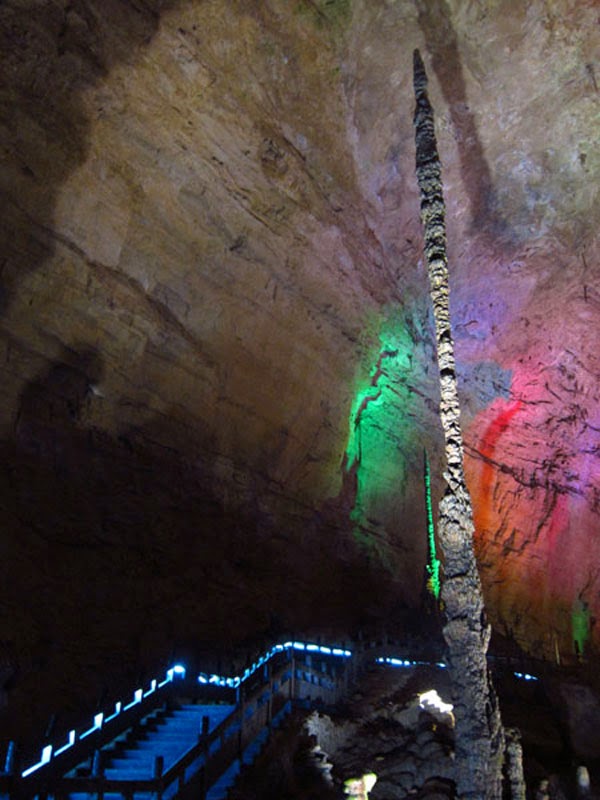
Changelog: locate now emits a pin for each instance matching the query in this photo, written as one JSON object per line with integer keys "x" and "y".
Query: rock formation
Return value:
{"x": 479, "y": 733}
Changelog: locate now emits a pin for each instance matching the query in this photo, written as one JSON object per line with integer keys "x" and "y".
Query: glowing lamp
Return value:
{"x": 70, "y": 743}
{"x": 46, "y": 756}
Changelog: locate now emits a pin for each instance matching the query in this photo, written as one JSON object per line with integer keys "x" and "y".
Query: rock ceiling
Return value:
{"x": 218, "y": 376}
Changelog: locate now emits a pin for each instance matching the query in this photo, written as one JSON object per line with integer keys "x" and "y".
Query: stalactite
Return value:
{"x": 479, "y": 732}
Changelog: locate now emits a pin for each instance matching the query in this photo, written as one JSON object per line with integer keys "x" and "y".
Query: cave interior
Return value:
{"x": 219, "y": 391}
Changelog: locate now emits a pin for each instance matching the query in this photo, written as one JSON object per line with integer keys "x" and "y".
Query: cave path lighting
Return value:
{"x": 525, "y": 676}
{"x": 70, "y": 742}
{"x": 45, "y": 759}
{"x": 179, "y": 671}
{"x": 99, "y": 718}
{"x": 138, "y": 696}
{"x": 392, "y": 661}
{"x": 235, "y": 681}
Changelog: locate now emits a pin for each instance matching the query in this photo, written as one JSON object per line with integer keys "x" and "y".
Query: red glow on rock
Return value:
{"x": 487, "y": 449}
{"x": 497, "y": 427}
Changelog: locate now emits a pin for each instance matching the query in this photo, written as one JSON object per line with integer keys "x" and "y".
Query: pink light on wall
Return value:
{"x": 504, "y": 413}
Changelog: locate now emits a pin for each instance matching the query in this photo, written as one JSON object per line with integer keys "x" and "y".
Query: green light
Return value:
{"x": 580, "y": 624}
{"x": 372, "y": 394}
{"x": 381, "y": 435}
{"x": 433, "y": 563}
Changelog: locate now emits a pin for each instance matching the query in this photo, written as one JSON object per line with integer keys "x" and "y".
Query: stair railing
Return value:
{"x": 259, "y": 707}
{"x": 55, "y": 761}
{"x": 301, "y": 682}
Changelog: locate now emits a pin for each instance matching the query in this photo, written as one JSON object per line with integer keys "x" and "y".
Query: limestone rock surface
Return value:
{"x": 217, "y": 359}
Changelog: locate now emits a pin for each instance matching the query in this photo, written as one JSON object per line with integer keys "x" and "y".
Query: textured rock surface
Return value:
{"x": 382, "y": 728}
{"x": 479, "y": 751}
{"x": 385, "y": 730}
{"x": 217, "y": 350}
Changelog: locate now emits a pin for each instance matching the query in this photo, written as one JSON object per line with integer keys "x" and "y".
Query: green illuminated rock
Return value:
{"x": 433, "y": 562}
{"x": 383, "y": 402}
{"x": 580, "y": 620}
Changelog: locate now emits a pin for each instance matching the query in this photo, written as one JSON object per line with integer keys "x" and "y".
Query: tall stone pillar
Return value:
{"x": 479, "y": 732}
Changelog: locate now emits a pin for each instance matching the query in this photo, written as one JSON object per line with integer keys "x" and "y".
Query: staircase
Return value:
{"x": 193, "y": 749}
{"x": 144, "y": 755}
{"x": 188, "y": 737}
{"x": 185, "y": 737}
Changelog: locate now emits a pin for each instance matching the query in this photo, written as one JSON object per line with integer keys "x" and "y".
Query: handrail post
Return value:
{"x": 242, "y": 715}
{"x": 98, "y": 773}
{"x": 159, "y": 767}
{"x": 96, "y": 765}
{"x": 50, "y": 727}
{"x": 205, "y": 728}
{"x": 205, "y": 750}
{"x": 203, "y": 736}
{"x": 12, "y": 768}
{"x": 270, "y": 700}
{"x": 203, "y": 783}
{"x": 10, "y": 762}
{"x": 292, "y": 659}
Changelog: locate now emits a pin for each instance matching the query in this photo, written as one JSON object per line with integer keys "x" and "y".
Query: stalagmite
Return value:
{"x": 514, "y": 765}
{"x": 479, "y": 732}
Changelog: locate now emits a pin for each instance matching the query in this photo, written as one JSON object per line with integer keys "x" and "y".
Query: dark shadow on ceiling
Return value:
{"x": 440, "y": 38}
{"x": 51, "y": 54}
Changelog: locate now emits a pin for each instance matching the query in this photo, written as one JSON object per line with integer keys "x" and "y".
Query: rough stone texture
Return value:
{"x": 514, "y": 765}
{"x": 580, "y": 709}
{"x": 384, "y": 730}
{"x": 210, "y": 240}
{"x": 479, "y": 750}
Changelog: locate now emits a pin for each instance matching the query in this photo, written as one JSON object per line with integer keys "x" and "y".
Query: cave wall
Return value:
{"x": 218, "y": 375}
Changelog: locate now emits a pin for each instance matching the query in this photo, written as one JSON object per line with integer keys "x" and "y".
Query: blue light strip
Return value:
{"x": 525, "y": 676}
{"x": 70, "y": 743}
{"x": 177, "y": 671}
{"x": 98, "y": 720}
{"x": 399, "y": 662}
{"x": 404, "y": 662}
{"x": 138, "y": 696}
{"x": 46, "y": 756}
{"x": 233, "y": 682}
{"x": 118, "y": 709}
